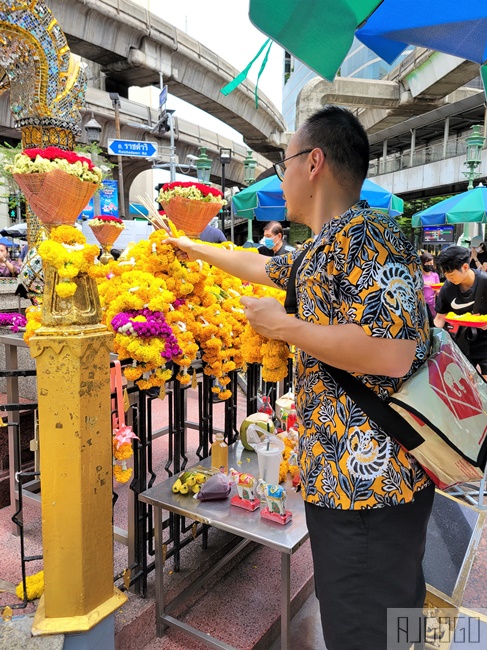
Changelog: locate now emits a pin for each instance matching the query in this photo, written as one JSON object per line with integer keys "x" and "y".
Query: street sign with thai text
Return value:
{"x": 162, "y": 97}
{"x": 134, "y": 148}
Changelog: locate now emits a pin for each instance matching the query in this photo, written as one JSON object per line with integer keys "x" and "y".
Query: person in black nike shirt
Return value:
{"x": 464, "y": 291}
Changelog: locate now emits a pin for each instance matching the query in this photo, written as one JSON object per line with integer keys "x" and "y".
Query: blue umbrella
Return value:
{"x": 320, "y": 34}
{"x": 7, "y": 242}
{"x": 379, "y": 198}
{"x": 264, "y": 200}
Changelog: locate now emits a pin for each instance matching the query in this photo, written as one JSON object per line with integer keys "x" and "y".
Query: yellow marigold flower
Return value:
{"x": 132, "y": 373}
{"x": 124, "y": 452}
{"x": 66, "y": 289}
{"x": 122, "y": 475}
{"x": 34, "y": 585}
{"x": 225, "y": 394}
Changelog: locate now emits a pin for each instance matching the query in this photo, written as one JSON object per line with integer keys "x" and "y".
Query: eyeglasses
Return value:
{"x": 279, "y": 167}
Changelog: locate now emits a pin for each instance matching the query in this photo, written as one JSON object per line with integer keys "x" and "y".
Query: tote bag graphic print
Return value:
{"x": 445, "y": 401}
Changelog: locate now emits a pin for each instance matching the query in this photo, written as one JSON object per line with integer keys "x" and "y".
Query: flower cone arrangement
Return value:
{"x": 190, "y": 206}
{"x": 57, "y": 184}
{"x": 106, "y": 229}
{"x": 56, "y": 197}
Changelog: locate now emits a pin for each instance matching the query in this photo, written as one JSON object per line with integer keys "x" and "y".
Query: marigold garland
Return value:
{"x": 151, "y": 293}
{"x": 68, "y": 252}
{"x": 161, "y": 309}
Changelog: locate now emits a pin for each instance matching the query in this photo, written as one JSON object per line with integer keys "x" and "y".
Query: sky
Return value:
{"x": 224, "y": 27}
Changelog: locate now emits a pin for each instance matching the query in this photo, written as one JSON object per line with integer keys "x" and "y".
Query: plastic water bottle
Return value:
{"x": 292, "y": 418}
{"x": 219, "y": 454}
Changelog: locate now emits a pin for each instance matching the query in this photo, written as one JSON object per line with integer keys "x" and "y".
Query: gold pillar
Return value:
{"x": 73, "y": 375}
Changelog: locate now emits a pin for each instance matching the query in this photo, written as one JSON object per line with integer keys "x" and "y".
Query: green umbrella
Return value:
{"x": 468, "y": 207}
{"x": 320, "y": 32}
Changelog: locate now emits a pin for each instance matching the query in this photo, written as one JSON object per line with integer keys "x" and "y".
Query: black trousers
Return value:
{"x": 366, "y": 561}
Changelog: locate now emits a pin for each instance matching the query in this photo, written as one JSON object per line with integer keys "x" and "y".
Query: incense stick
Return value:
{"x": 156, "y": 219}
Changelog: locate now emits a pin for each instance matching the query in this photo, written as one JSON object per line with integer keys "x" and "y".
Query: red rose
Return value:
{"x": 108, "y": 218}
{"x": 55, "y": 153}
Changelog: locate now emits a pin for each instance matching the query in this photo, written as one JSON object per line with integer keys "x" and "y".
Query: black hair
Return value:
{"x": 343, "y": 140}
{"x": 453, "y": 258}
{"x": 426, "y": 257}
{"x": 275, "y": 228}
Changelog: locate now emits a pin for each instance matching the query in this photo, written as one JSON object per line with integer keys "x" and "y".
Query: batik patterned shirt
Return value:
{"x": 359, "y": 269}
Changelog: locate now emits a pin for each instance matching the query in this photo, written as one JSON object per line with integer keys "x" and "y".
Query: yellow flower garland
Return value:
{"x": 68, "y": 252}
{"x": 210, "y": 319}
{"x": 199, "y": 302}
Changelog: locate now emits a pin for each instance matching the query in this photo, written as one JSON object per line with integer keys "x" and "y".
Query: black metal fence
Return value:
{"x": 179, "y": 532}
{"x": 139, "y": 536}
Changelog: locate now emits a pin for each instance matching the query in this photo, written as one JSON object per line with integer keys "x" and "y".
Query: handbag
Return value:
{"x": 438, "y": 415}
{"x": 31, "y": 273}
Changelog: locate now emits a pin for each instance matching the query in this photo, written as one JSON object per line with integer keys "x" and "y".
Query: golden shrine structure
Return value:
{"x": 47, "y": 86}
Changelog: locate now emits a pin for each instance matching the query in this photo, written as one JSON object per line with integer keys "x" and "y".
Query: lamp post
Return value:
{"x": 225, "y": 159}
{"x": 172, "y": 149}
{"x": 93, "y": 132}
{"x": 249, "y": 177}
{"x": 115, "y": 97}
{"x": 475, "y": 142}
{"x": 203, "y": 166}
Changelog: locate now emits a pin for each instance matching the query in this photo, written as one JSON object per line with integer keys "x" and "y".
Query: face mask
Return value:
{"x": 428, "y": 267}
{"x": 268, "y": 242}
{"x": 479, "y": 249}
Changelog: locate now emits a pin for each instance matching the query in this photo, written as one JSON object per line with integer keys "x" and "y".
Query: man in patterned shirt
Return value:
{"x": 361, "y": 309}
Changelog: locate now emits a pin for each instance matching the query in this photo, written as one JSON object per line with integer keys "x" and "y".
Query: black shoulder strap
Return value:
{"x": 290, "y": 304}
{"x": 377, "y": 409}
{"x": 371, "y": 404}
{"x": 480, "y": 294}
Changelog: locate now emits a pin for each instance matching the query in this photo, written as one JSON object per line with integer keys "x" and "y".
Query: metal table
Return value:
{"x": 245, "y": 524}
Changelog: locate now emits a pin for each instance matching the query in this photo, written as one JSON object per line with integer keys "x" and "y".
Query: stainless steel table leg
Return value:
{"x": 285, "y": 600}
{"x": 159, "y": 569}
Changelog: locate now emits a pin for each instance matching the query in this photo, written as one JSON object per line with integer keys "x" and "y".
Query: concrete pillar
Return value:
{"x": 446, "y": 133}
{"x": 384, "y": 156}
{"x": 413, "y": 147}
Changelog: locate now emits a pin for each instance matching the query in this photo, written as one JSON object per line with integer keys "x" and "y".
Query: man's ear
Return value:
{"x": 317, "y": 160}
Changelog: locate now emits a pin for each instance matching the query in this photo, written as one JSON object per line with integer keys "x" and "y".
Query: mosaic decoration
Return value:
{"x": 47, "y": 83}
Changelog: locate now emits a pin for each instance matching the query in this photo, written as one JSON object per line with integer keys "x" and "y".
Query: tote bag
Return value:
{"x": 445, "y": 402}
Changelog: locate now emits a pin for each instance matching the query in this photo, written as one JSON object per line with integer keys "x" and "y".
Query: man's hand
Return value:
{"x": 185, "y": 248}
{"x": 267, "y": 316}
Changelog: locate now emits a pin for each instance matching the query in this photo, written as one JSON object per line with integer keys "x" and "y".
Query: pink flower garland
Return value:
{"x": 155, "y": 325}
{"x": 13, "y": 320}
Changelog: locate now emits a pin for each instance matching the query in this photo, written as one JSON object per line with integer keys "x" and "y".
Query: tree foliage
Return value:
{"x": 413, "y": 206}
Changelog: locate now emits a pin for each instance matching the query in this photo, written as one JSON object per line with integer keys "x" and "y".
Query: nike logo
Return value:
{"x": 455, "y": 305}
